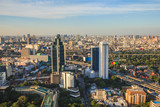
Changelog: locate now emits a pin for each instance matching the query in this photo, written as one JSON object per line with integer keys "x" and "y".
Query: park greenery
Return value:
{"x": 113, "y": 82}
{"x": 27, "y": 83}
{"x": 152, "y": 61}
{"x": 95, "y": 104}
{"x": 154, "y": 78}
{"x": 65, "y": 100}
{"x": 140, "y": 52}
{"x": 147, "y": 104}
{"x": 12, "y": 98}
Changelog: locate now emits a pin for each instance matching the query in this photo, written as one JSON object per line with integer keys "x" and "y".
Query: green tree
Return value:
{"x": 16, "y": 104}
{"x": 22, "y": 99}
{"x": 113, "y": 77}
{"x": 81, "y": 105}
{"x": 36, "y": 82}
{"x": 31, "y": 105}
{"x": 74, "y": 105}
{"x": 93, "y": 102}
{"x": 6, "y": 104}
{"x": 98, "y": 105}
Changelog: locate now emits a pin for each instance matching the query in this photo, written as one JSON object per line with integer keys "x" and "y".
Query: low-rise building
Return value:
{"x": 155, "y": 104}
{"x": 122, "y": 102}
{"x": 44, "y": 58}
{"x": 99, "y": 94}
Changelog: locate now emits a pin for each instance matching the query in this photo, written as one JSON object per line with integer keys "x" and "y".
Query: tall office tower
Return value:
{"x": 24, "y": 38}
{"x": 103, "y": 60}
{"x": 1, "y": 40}
{"x": 28, "y": 35}
{"x": 107, "y": 38}
{"x": 115, "y": 40}
{"x": 28, "y": 40}
{"x": 57, "y": 59}
{"x": 77, "y": 38}
{"x": 86, "y": 36}
{"x": 95, "y": 58}
{"x": 135, "y": 95}
{"x": 33, "y": 37}
{"x": 57, "y": 54}
{"x": 125, "y": 43}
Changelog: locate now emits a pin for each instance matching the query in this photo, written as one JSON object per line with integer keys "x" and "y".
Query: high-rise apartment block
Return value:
{"x": 67, "y": 80}
{"x": 135, "y": 95}
{"x": 103, "y": 60}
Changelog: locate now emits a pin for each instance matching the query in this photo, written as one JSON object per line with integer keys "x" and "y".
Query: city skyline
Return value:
{"x": 112, "y": 17}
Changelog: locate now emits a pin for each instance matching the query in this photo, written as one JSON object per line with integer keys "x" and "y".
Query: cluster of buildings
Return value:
{"x": 33, "y": 50}
{"x": 139, "y": 71}
{"x": 61, "y": 73}
{"x": 99, "y": 61}
{"x": 134, "y": 95}
{"x": 5, "y": 72}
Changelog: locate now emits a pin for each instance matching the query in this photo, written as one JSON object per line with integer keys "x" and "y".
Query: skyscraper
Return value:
{"x": 57, "y": 59}
{"x": 57, "y": 54}
{"x": 28, "y": 40}
{"x": 24, "y": 38}
{"x": 103, "y": 60}
{"x": 95, "y": 58}
{"x": 28, "y": 35}
{"x": 1, "y": 40}
{"x": 77, "y": 38}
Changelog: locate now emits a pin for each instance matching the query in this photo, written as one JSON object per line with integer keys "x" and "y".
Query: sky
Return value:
{"x": 92, "y": 17}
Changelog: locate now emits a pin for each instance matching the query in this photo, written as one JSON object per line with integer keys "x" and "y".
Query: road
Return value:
{"x": 78, "y": 63}
{"x": 85, "y": 92}
{"x": 140, "y": 82}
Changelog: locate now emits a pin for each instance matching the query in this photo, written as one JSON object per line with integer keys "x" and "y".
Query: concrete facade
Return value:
{"x": 99, "y": 94}
{"x": 135, "y": 95}
{"x": 103, "y": 60}
{"x": 39, "y": 57}
{"x": 67, "y": 80}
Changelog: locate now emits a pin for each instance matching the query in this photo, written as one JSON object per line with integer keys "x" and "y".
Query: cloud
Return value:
{"x": 49, "y": 9}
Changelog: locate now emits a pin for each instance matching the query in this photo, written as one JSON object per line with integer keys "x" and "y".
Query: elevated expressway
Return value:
{"x": 140, "y": 82}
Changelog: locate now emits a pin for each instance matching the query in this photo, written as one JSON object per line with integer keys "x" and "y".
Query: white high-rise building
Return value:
{"x": 67, "y": 80}
{"x": 103, "y": 60}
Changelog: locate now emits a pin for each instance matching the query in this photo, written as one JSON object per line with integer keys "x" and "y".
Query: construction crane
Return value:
{"x": 36, "y": 68}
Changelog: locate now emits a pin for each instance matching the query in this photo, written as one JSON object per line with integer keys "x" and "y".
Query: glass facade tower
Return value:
{"x": 57, "y": 55}
{"x": 95, "y": 58}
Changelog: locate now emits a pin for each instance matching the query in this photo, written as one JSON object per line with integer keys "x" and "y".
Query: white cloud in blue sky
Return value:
{"x": 67, "y": 8}
{"x": 79, "y": 17}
